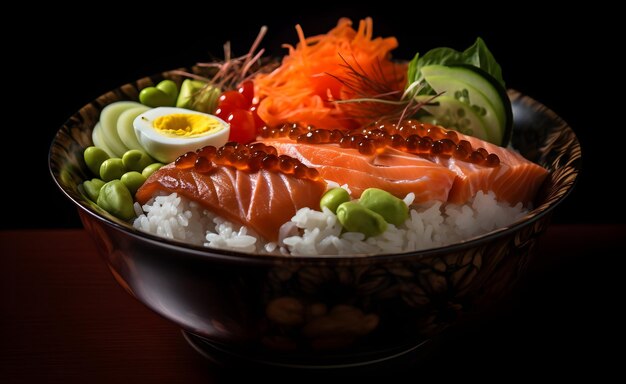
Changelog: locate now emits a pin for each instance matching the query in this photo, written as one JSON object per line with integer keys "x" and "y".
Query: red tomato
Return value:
{"x": 258, "y": 122}
{"x": 223, "y": 111}
{"x": 242, "y": 127}
{"x": 233, "y": 99}
{"x": 247, "y": 90}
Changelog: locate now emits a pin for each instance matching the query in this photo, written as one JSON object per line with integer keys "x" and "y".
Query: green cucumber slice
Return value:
{"x": 504, "y": 99}
{"x": 125, "y": 128}
{"x": 454, "y": 114}
{"x": 471, "y": 96}
{"x": 474, "y": 86}
{"x": 108, "y": 122}
{"x": 98, "y": 141}
{"x": 471, "y": 78}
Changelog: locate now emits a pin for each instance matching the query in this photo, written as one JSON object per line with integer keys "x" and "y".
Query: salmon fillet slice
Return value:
{"x": 429, "y": 181}
{"x": 262, "y": 200}
{"x": 515, "y": 180}
{"x": 442, "y": 178}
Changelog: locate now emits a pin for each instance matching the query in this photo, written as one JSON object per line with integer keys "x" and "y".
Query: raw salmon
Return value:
{"x": 515, "y": 180}
{"x": 262, "y": 200}
{"x": 429, "y": 181}
{"x": 429, "y": 177}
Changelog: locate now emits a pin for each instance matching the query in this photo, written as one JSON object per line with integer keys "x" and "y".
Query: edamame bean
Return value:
{"x": 115, "y": 198}
{"x": 133, "y": 180}
{"x": 136, "y": 160}
{"x": 112, "y": 169}
{"x": 354, "y": 217}
{"x": 155, "y": 97}
{"x": 392, "y": 209}
{"x": 92, "y": 188}
{"x": 170, "y": 88}
{"x": 94, "y": 157}
{"x": 164, "y": 94}
{"x": 333, "y": 198}
{"x": 150, "y": 169}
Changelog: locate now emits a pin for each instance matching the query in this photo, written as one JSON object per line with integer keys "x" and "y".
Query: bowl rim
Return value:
{"x": 87, "y": 207}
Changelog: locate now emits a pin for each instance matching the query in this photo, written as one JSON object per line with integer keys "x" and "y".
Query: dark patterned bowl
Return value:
{"x": 319, "y": 311}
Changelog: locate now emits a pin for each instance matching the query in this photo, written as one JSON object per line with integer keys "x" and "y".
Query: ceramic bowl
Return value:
{"x": 319, "y": 311}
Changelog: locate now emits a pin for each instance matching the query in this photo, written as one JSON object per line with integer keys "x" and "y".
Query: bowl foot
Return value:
{"x": 396, "y": 358}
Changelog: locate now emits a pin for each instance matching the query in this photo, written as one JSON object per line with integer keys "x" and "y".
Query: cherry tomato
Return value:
{"x": 223, "y": 111}
{"x": 258, "y": 122}
{"x": 242, "y": 127}
{"x": 233, "y": 99}
{"x": 247, "y": 90}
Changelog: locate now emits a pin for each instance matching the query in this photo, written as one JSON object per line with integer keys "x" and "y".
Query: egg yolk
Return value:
{"x": 186, "y": 125}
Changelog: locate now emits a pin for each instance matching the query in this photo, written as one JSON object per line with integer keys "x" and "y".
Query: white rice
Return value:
{"x": 319, "y": 233}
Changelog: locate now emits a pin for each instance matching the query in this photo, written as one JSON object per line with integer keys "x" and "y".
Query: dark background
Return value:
{"x": 560, "y": 58}
{"x": 565, "y": 322}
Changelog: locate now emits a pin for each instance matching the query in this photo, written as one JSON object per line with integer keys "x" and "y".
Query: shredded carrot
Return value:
{"x": 306, "y": 84}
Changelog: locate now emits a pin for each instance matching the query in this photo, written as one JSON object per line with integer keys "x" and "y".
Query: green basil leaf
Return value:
{"x": 477, "y": 55}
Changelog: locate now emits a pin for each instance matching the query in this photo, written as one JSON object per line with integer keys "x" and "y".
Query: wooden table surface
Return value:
{"x": 63, "y": 318}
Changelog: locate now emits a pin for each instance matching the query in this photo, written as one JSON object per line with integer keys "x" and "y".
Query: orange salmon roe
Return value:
{"x": 410, "y": 136}
{"x": 249, "y": 157}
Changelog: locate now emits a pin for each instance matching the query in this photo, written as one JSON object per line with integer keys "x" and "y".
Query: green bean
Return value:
{"x": 136, "y": 160}
{"x": 354, "y": 217}
{"x": 333, "y": 198}
{"x": 150, "y": 169}
{"x": 112, "y": 169}
{"x": 115, "y": 198}
{"x": 94, "y": 157}
{"x": 92, "y": 188}
{"x": 392, "y": 209}
{"x": 133, "y": 180}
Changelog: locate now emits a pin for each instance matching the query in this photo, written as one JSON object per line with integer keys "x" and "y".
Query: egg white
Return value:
{"x": 167, "y": 148}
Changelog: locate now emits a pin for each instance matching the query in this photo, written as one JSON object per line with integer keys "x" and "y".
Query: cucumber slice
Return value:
{"x": 471, "y": 96}
{"x": 503, "y": 96}
{"x": 476, "y": 87}
{"x": 454, "y": 114}
{"x": 125, "y": 128}
{"x": 471, "y": 78}
{"x": 98, "y": 141}
{"x": 108, "y": 122}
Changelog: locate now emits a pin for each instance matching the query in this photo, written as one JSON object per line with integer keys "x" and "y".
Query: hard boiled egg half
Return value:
{"x": 168, "y": 132}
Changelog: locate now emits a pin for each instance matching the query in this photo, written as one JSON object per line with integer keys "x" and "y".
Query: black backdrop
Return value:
{"x": 562, "y": 59}
{"x": 568, "y": 58}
